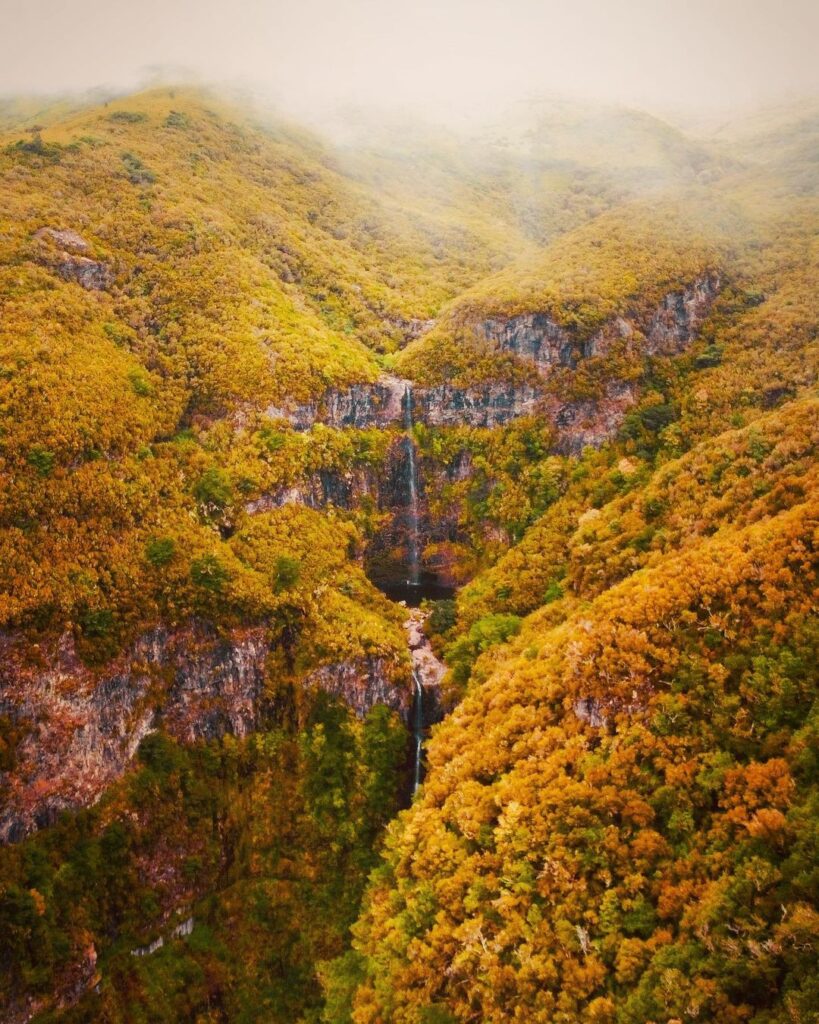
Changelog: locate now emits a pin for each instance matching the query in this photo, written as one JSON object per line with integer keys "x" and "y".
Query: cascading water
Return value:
{"x": 413, "y": 531}
{"x": 418, "y": 729}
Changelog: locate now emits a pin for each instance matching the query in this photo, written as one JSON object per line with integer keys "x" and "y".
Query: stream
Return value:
{"x": 410, "y": 587}
{"x": 427, "y": 673}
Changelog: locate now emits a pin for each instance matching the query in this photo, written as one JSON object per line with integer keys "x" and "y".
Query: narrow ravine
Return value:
{"x": 417, "y": 729}
{"x": 427, "y": 673}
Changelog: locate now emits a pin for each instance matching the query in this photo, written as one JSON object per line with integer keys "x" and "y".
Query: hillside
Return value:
{"x": 557, "y": 377}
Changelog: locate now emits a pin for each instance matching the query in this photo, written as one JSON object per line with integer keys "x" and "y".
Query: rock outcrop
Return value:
{"x": 81, "y": 728}
{"x": 410, "y": 327}
{"x": 490, "y": 405}
{"x": 379, "y": 404}
{"x": 361, "y": 684}
{"x": 342, "y": 488}
{"x": 66, "y": 252}
{"x": 677, "y": 319}
{"x": 667, "y": 330}
{"x": 427, "y": 666}
{"x": 589, "y": 422}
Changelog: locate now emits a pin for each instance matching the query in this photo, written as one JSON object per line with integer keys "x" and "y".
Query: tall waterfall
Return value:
{"x": 413, "y": 538}
{"x": 417, "y": 729}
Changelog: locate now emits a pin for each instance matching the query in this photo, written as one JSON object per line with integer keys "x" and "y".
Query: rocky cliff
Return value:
{"x": 380, "y": 404}
{"x": 81, "y": 728}
{"x": 666, "y": 330}
{"x": 533, "y": 337}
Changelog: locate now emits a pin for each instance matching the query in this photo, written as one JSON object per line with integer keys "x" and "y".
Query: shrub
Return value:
{"x": 42, "y": 460}
{"x": 97, "y": 623}
{"x": 140, "y": 384}
{"x": 127, "y": 117}
{"x": 286, "y": 573}
{"x": 138, "y": 173}
{"x": 159, "y": 551}
{"x": 213, "y": 491}
{"x": 485, "y": 633}
{"x": 209, "y": 573}
{"x": 176, "y": 119}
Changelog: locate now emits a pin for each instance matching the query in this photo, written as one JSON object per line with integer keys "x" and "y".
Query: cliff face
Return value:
{"x": 589, "y": 422}
{"x": 382, "y": 404}
{"x": 344, "y": 489}
{"x": 677, "y": 319}
{"x": 533, "y": 337}
{"x": 667, "y": 330}
{"x": 361, "y": 685}
{"x": 81, "y": 728}
{"x": 361, "y": 405}
{"x": 491, "y": 405}
{"x": 394, "y": 403}
{"x": 84, "y": 727}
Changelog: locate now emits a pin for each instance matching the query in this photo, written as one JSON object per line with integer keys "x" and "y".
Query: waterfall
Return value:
{"x": 413, "y": 541}
{"x": 418, "y": 729}
{"x": 427, "y": 673}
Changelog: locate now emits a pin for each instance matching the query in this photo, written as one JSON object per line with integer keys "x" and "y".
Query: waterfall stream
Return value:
{"x": 413, "y": 539}
{"x": 418, "y": 729}
{"x": 427, "y": 674}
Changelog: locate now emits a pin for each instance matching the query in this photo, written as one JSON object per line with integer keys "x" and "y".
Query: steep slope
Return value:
{"x": 618, "y": 824}
{"x": 551, "y": 309}
{"x": 569, "y": 364}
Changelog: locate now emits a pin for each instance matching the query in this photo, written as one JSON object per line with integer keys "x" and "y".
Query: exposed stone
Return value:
{"x": 410, "y": 327}
{"x": 361, "y": 684}
{"x": 343, "y": 489}
{"x": 70, "y": 262}
{"x": 64, "y": 238}
{"x": 181, "y": 931}
{"x": 491, "y": 405}
{"x": 90, "y": 274}
{"x": 677, "y": 319}
{"x": 361, "y": 405}
{"x": 590, "y": 711}
{"x": 670, "y": 328}
{"x": 532, "y": 336}
{"x": 590, "y": 422}
{"x": 381, "y": 405}
{"x": 303, "y": 493}
{"x": 85, "y": 726}
{"x": 429, "y": 670}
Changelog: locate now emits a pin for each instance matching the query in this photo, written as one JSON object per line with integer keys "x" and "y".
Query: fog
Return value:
{"x": 421, "y": 56}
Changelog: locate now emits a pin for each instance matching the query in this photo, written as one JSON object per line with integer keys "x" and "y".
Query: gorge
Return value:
{"x": 407, "y": 606}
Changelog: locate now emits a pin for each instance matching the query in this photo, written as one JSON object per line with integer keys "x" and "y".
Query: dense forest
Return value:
{"x": 555, "y": 385}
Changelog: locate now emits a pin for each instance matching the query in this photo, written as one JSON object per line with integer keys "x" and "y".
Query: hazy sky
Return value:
{"x": 424, "y": 54}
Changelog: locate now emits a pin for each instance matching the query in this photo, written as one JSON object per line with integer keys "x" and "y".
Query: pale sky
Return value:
{"x": 421, "y": 54}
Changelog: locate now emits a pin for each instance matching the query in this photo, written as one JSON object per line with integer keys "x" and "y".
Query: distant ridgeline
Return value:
{"x": 251, "y": 384}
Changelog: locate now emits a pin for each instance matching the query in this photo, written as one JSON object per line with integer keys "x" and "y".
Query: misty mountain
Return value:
{"x": 407, "y": 564}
